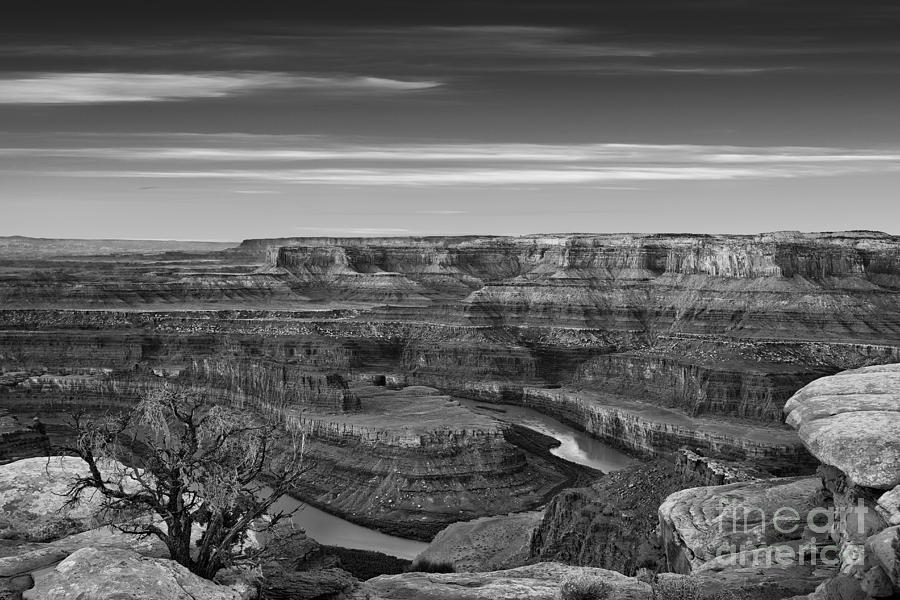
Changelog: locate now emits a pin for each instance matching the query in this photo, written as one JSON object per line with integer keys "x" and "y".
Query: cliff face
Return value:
{"x": 610, "y": 524}
{"x": 728, "y": 325}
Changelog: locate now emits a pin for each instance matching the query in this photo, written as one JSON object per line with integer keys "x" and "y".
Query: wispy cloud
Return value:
{"x": 226, "y": 148}
{"x": 89, "y": 88}
{"x": 271, "y": 160}
{"x": 463, "y": 177}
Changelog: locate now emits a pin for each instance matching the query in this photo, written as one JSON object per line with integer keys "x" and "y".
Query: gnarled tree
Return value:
{"x": 177, "y": 460}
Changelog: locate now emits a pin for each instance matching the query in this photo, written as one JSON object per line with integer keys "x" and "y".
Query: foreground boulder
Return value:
{"x": 33, "y": 499}
{"x": 540, "y": 581}
{"x": 94, "y": 574}
{"x": 701, "y": 524}
{"x": 852, "y": 421}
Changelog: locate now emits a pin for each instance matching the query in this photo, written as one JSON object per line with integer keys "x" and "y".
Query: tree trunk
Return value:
{"x": 180, "y": 547}
{"x": 206, "y": 566}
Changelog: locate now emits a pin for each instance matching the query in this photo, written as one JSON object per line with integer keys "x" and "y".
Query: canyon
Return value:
{"x": 405, "y": 359}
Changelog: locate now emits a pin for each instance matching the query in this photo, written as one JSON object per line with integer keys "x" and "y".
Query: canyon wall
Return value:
{"x": 648, "y": 342}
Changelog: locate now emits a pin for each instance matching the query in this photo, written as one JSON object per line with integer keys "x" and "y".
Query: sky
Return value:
{"x": 226, "y": 120}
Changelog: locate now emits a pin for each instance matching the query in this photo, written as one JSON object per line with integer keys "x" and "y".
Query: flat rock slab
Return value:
{"x": 852, "y": 421}
{"x": 94, "y": 574}
{"x": 535, "y": 582}
{"x": 33, "y": 496}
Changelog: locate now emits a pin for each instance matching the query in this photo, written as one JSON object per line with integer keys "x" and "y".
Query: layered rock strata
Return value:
{"x": 412, "y": 461}
{"x": 650, "y": 342}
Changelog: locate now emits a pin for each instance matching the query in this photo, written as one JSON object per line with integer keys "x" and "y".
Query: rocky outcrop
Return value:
{"x": 92, "y": 574}
{"x": 852, "y": 421}
{"x": 17, "y": 571}
{"x": 309, "y": 585}
{"x": 738, "y": 386}
{"x": 541, "y": 581}
{"x": 611, "y": 524}
{"x": 707, "y": 471}
{"x": 387, "y": 464}
{"x": 843, "y": 519}
{"x": 753, "y": 582}
{"x": 703, "y": 524}
{"x": 485, "y": 544}
{"x": 17, "y": 441}
{"x": 33, "y": 499}
{"x": 652, "y": 430}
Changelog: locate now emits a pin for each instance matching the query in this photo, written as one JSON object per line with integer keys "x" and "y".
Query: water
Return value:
{"x": 575, "y": 446}
{"x": 330, "y": 530}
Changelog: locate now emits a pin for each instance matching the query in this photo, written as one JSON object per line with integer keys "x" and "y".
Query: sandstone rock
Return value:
{"x": 33, "y": 560}
{"x": 852, "y": 421}
{"x": 889, "y": 506}
{"x": 308, "y": 585}
{"x": 883, "y": 549}
{"x": 707, "y": 471}
{"x": 104, "y": 538}
{"x": 697, "y": 524}
{"x": 92, "y": 574}
{"x": 110, "y": 538}
{"x": 534, "y": 582}
{"x": 757, "y": 583}
{"x": 877, "y": 584}
{"x": 843, "y": 587}
{"x": 485, "y": 544}
{"x": 32, "y": 499}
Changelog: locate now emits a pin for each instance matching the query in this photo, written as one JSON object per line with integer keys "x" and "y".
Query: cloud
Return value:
{"x": 232, "y": 148}
{"x": 463, "y": 177}
{"x": 256, "y": 162}
{"x": 90, "y": 88}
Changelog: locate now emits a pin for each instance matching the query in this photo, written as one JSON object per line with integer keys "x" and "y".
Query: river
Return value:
{"x": 575, "y": 446}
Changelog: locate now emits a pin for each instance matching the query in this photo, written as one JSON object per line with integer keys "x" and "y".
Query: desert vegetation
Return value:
{"x": 177, "y": 462}
{"x": 584, "y": 587}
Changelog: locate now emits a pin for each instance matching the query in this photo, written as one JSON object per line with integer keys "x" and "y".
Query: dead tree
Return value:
{"x": 177, "y": 460}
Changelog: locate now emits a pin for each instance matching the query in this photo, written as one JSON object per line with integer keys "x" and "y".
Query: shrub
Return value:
{"x": 584, "y": 587}
{"x": 427, "y": 565}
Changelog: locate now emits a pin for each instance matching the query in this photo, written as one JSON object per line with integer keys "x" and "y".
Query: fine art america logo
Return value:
{"x": 804, "y": 540}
